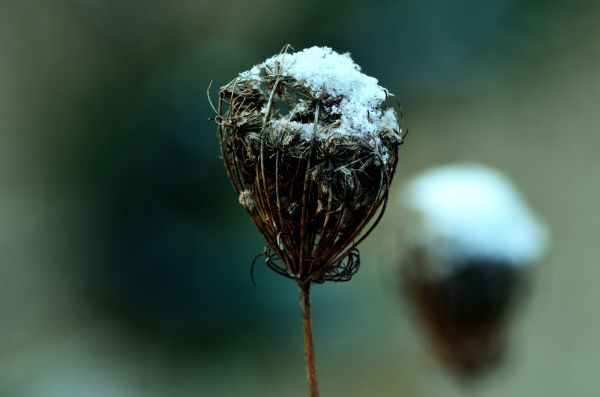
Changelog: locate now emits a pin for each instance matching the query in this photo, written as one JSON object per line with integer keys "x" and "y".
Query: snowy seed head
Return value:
{"x": 311, "y": 143}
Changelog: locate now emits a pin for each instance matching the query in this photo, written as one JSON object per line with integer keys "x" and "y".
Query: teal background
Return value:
{"x": 124, "y": 255}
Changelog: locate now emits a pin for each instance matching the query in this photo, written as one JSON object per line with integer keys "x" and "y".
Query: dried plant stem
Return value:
{"x": 309, "y": 352}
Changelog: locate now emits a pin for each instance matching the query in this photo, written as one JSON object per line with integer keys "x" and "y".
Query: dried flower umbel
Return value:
{"x": 311, "y": 149}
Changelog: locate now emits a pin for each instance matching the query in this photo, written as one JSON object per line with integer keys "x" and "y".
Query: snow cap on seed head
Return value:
{"x": 467, "y": 211}
{"x": 327, "y": 73}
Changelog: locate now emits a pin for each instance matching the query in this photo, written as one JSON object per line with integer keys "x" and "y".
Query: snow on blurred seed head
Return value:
{"x": 467, "y": 211}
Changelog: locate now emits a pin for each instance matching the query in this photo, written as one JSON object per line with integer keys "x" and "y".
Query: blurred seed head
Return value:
{"x": 468, "y": 241}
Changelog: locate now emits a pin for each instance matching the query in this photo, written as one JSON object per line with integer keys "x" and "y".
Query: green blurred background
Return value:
{"x": 124, "y": 255}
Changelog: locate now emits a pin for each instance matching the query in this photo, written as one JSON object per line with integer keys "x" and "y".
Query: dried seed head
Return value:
{"x": 469, "y": 243}
{"x": 311, "y": 148}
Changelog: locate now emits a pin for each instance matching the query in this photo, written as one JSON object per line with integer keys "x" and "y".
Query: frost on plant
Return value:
{"x": 310, "y": 145}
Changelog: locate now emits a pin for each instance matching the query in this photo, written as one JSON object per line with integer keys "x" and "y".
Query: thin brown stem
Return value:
{"x": 309, "y": 352}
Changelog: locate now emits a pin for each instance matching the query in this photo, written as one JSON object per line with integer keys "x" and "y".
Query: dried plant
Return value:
{"x": 468, "y": 244}
{"x": 313, "y": 180}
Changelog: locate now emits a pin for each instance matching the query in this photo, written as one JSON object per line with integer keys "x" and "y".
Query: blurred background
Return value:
{"x": 124, "y": 255}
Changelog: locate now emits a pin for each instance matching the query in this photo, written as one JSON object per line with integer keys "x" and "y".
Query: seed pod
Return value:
{"x": 469, "y": 245}
{"x": 310, "y": 147}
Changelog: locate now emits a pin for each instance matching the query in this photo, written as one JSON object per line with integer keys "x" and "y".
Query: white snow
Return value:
{"x": 468, "y": 210}
{"x": 306, "y": 130}
{"x": 327, "y": 72}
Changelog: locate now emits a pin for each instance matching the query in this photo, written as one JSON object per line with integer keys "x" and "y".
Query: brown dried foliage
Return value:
{"x": 465, "y": 312}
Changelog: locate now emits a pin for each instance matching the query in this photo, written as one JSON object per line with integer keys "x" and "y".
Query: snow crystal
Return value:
{"x": 469, "y": 210}
{"x": 327, "y": 72}
{"x": 305, "y": 130}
